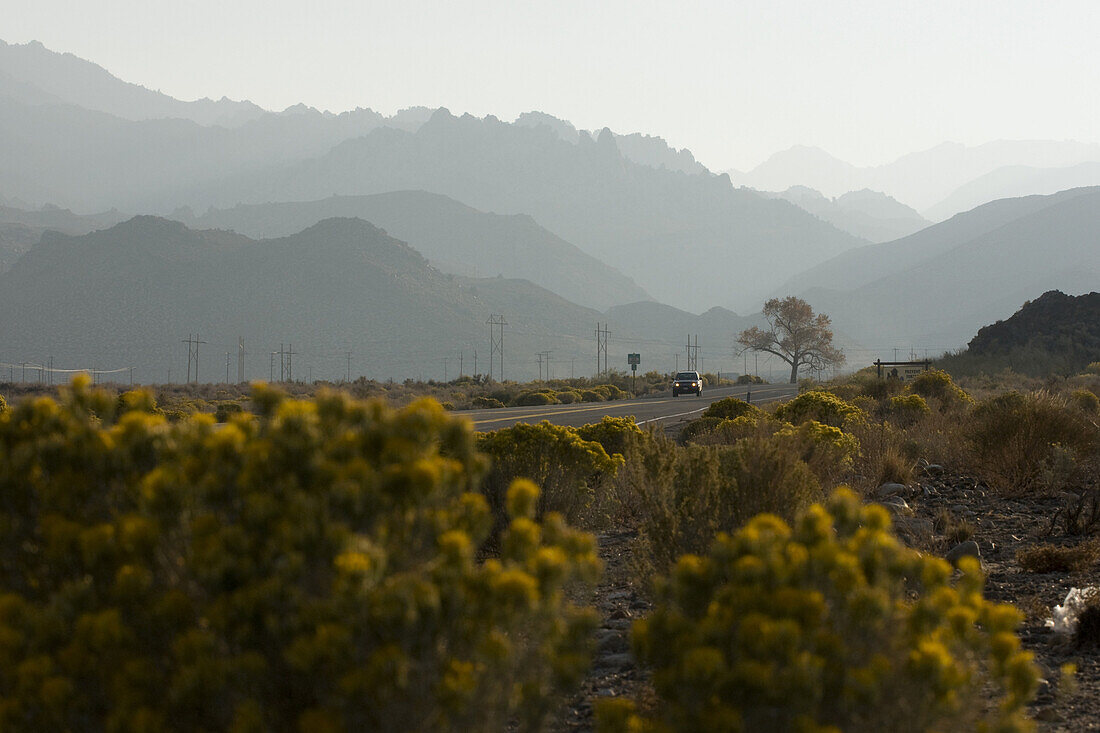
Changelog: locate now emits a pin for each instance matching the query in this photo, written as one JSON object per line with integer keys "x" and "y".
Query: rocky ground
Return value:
{"x": 1002, "y": 527}
{"x": 614, "y": 672}
{"x": 936, "y": 506}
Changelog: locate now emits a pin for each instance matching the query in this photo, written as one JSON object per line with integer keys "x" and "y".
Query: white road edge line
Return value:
{"x": 668, "y": 417}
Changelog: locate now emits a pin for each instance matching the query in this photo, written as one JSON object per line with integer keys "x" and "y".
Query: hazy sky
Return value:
{"x": 733, "y": 81}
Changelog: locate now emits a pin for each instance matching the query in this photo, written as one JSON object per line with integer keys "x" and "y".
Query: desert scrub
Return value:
{"x": 565, "y": 466}
{"x": 827, "y": 451}
{"x": 824, "y": 407}
{"x": 832, "y": 625}
{"x": 904, "y": 410}
{"x": 309, "y": 568}
{"x": 1086, "y": 401}
{"x": 482, "y": 403}
{"x": 1015, "y": 438}
{"x": 685, "y": 496}
{"x": 615, "y": 434}
{"x": 730, "y": 408}
{"x": 536, "y": 398}
{"x": 936, "y": 383}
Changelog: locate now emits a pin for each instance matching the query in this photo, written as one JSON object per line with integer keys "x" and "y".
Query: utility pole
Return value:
{"x": 240, "y": 360}
{"x": 444, "y": 360}
{"x": 496, "y": 343}
{"x": 601, "y": 346}
{"x": 348, "y": 355}
{"x": 475, "y": 362}
{"x": 227, "y": 367}
{"x": 461, "y": 354}
{"x": 544, "y": 357}
{"x": 271, "y": 371}
{"x": 193, "y": 355}
{"x": 290, "y": 364}
{"x": 131, "y": 376}
{"x": 51, "y": 372}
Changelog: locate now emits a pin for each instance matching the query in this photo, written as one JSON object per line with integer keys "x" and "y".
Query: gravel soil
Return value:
{"x": 1001, "y": 526}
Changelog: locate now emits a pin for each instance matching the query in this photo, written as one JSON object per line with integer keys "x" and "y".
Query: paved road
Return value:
{"x": 652, "y": 409}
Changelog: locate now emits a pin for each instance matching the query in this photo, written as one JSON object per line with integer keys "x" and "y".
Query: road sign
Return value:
{"x": 634, "y": 360}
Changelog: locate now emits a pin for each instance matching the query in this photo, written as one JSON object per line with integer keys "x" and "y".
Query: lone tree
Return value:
{"x": 795, "y": 335}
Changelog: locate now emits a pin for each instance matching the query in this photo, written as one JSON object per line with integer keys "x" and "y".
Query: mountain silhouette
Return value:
{"x": 454, "y": 237}
{"x": 127, "y": 295}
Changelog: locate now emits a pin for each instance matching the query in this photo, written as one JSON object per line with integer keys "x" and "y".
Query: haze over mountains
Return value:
{"x": 454, "y": 237}
{"x": 555, "y": 226}
{"x": 868, "y": 214}
{"x": 937, "y": 287}
{"x": 125, "y": 296}
{"x": 927, "y": 180}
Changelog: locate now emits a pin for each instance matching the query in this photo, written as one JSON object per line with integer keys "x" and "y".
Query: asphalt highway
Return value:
{"x": 659, "y": 408}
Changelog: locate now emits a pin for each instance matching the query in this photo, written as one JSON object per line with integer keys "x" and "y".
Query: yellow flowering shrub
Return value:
{"x": 904, "y": 410}
{"x": 310, "y": 567}
{"x": 936, "y": 383}
{"x": 566, "y": 466}
{"x": 832, "y": 625}
{"x": 730, "y": 408}
{"x": 824, "y": 407}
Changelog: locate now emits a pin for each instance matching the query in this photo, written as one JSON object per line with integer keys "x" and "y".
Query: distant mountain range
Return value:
{"x": 935, "y": 288}
{"x": 1016, "y": 181}
{"x": 689, "y": 240}
{"x": 681, "y": 233}
{"x": 927, "y": 180}
{"x": 454, "y": 237}
{"x": 127, "y": 295}
{"x": 867, "y": 214}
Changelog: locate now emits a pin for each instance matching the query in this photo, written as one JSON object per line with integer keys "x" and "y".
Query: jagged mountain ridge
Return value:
{"x": 867, "y": 214}
{"x": 689, "y": 240}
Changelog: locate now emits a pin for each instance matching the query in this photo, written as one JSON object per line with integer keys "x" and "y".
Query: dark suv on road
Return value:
{"x": 687, "y": 382}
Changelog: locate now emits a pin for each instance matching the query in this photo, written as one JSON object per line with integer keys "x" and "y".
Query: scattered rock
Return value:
{"x": 611, "y": 641}
{"x": 934, "y": 469}
{"x": 915, "y": 526}
{"x": 897, "y": 505}
{"x": 890, "y": 489}
{"x": 961, "y": 550}
{"x": 613, "y": 662}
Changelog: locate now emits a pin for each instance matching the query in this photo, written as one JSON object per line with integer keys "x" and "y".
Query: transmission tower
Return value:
{"x": 601, "y": 346}
{"x": 693, "y": 354}
{"x": 192, "y": 342}
{"x": 496, "y": 343}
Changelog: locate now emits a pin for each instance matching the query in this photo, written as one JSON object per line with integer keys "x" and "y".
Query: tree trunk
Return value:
{"x": 794, "y": 372}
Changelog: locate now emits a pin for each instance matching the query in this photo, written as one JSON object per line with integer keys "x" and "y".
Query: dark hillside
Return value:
{"x": 1053, "y": 334}
{"x": 1066, "y": 326}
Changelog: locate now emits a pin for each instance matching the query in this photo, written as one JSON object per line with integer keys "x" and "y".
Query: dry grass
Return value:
{"x": 1058, "y": 558}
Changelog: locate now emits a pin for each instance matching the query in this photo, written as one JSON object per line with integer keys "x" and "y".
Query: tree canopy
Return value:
{"x": 795, "y": 334}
